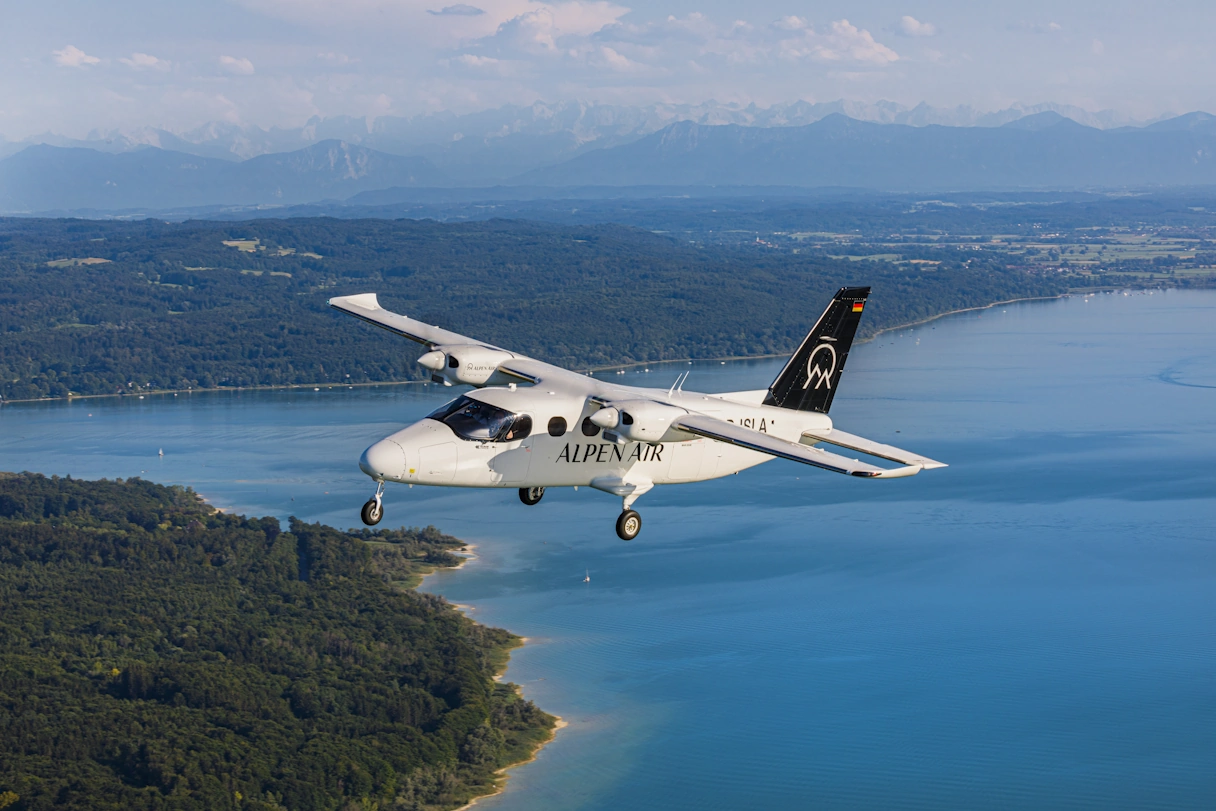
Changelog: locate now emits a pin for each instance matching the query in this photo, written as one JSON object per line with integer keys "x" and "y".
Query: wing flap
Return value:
{"x": 860, "y": 444}
{"x": 366, "y": 307}
{"x": 728, "y": 432}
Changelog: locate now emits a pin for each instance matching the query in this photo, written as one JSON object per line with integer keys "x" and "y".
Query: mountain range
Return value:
{"x": 1045, "y": 150}
{"x": 493, "y": 145}
{"x": 50, "y": 178}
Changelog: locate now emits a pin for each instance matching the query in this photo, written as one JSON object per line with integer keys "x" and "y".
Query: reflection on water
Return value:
{"x": 1028, "y": 628}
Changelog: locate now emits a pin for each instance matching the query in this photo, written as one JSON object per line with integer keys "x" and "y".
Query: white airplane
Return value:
{"x": 530, "y": 425}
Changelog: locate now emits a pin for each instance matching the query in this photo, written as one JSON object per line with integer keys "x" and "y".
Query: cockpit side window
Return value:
{"x": 481, "y": 422}
{"x": 520, "y": 429}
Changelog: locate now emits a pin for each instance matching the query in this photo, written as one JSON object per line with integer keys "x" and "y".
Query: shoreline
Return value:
{"x": 629, "y": 365}
{"x": 501, "y": 776}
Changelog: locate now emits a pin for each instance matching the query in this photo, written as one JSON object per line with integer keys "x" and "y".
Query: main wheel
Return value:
{"x": 531, "y": 495}
{"x": 372, "y": 512}
{"x": 628, "y": 525}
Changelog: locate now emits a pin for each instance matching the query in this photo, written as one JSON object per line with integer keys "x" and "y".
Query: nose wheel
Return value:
{"x": 628, "y": 525}
{"x": 373, "y": 510}
{"x": 531, "y": 495}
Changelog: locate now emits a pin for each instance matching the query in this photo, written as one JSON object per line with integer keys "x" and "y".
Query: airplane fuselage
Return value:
{"x": 565, "y": 450}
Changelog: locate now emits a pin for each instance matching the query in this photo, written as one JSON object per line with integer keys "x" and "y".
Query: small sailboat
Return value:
{"x": 161, "y": 452}
{"x": 587, "y": 579}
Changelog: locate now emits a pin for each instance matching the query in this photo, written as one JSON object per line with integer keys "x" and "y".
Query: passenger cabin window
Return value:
{"x": 481, "y": 422}
{"x": 557, "y": 426}
{"x": 589, "y": 427}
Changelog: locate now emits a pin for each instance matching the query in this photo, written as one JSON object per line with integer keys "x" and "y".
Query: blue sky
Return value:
{"x": 73, "y": 66}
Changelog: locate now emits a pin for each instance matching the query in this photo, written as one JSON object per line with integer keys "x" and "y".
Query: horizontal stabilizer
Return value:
{"x": 722, "y": 431}
{"x": 853, "y": 442}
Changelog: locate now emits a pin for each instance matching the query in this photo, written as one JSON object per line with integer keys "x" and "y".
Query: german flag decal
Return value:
{"x": 858, "y": 306}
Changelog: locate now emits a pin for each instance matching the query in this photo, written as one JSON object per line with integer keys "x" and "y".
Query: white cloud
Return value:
{"x": 1097, "y": 48}
{"x": 912, "y": 27}
{"x": 73, "y": 57}
{"x": 241, "y": 66}
{"x": 842, "y": 42}
{"x": 611, "y": 59}
{"x": 140, "y": 61}
{"x": 458, "y": 10}
{"x": 552, "y": 29}
{"x": 474, "y": 61}
{"x": 593, "y": 38}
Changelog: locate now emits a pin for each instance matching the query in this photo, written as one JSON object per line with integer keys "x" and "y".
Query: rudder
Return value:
{"x": 808, "y": 381}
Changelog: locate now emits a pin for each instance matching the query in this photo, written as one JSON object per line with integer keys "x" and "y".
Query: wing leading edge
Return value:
{"x": 722, "y": 431}
{"x": 366, "y": 307}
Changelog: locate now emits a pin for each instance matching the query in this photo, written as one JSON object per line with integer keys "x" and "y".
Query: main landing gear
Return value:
{"x": 628, "y": 525}
{"x": 531, "y": 495}
{"x": 373, "y": 510}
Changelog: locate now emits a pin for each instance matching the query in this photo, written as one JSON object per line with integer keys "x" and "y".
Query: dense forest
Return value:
{"x": 173, "y": 307}
{"x": 731, "y": 214}
{"x": 157, "y": 654}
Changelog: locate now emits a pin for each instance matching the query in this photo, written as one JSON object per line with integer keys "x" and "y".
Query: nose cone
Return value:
{"x": 384, "y": 460}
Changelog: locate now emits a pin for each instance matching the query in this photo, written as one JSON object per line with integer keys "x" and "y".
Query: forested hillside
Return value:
{"x": 155, "y": 654}
{"x": 102, "y": 307}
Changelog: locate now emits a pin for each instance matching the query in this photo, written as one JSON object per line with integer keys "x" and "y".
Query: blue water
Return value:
{"x": 1032, "y": 627}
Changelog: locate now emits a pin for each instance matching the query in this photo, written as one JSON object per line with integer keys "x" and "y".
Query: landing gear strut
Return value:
{"x": 531, "y": 495}
{"x": 373, "y": 510}
{"x": 628, "y": 525}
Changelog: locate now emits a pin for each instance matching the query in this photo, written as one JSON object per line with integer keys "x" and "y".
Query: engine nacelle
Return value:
{"x": 641, "y": 421}
{"x": 467, "y": 363}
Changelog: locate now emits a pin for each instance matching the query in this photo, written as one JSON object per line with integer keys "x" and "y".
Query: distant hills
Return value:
{"x": 493, "y": 145}
{"x": 1045, "y": 150}
{"x": 49, "y": 178}
{"x": 1040, "y": 151}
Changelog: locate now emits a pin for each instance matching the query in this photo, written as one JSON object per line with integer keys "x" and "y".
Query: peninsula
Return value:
{"x": 157, "y": 653}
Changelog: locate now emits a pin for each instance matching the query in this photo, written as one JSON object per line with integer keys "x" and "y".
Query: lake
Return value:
{"x": 1032, "y": 627}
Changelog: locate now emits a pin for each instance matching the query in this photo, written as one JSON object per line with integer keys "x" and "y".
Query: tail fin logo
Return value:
{"x": 816, "y": 373}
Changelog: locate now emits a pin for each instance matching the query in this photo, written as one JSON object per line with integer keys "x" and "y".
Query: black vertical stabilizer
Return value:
{"x": 808, "y": 381}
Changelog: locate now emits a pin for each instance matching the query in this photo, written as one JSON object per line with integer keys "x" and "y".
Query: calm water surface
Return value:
{"x": 1030, "y": 628}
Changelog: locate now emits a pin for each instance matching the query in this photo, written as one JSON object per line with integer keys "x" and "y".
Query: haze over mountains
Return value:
{"x": 46, "y": 178}
{"x": 570, "y": 145}
{"x": 536, "y": 133}
{"x": 1040, "y": 151}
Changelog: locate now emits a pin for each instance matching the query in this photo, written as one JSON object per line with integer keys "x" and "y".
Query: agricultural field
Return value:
{"x": 1146, "y": 255}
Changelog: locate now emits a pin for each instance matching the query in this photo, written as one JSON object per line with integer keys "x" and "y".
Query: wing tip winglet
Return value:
{"x": 367, "y": 301}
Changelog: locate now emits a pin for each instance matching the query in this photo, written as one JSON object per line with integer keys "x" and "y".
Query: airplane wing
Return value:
{"x": 853, "y": 442}
{"x": 366, "y": 307}
{"x": 714, "y": 428}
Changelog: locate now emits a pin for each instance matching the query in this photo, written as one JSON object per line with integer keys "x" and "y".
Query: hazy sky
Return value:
{"x": 74, "y": 65}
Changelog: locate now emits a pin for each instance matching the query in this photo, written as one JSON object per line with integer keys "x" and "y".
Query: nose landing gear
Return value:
{"x": 531, "y": 495}
{"x": 373, "y": 510}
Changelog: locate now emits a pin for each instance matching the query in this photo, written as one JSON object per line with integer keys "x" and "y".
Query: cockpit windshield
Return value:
{"x": 481, "y": 422}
